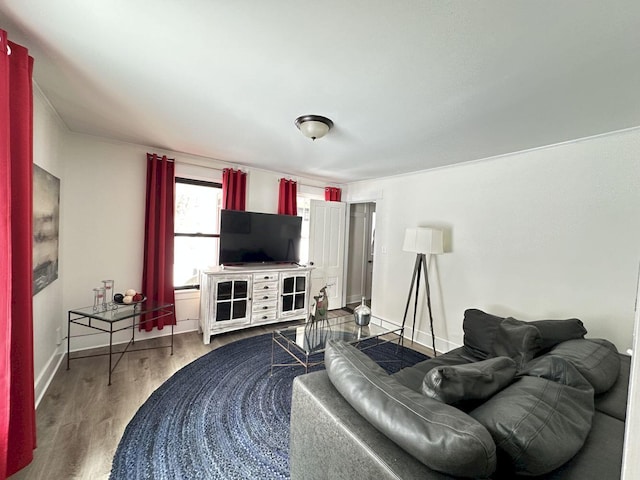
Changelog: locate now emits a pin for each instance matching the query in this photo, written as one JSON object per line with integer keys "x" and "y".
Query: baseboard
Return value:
{"x": 423, "y": 338}
{"x": 100, "y": 339}
{"x": 354, "y": 299}
{"x": 46, "y": 376}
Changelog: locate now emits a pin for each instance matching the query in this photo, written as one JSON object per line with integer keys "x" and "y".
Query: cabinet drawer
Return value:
{"x": 265, "y": 296}
{"x": 263, "y": 316}
{"x": 265, "y": 277}
{"x": 264, "y": 306}
{"x": 261, "y": 287}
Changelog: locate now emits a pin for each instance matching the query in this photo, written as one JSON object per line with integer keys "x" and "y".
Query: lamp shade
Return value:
{"x": 423, "y": 240}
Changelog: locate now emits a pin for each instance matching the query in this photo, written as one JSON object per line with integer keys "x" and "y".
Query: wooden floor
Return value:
{"x": 80, "y": 419}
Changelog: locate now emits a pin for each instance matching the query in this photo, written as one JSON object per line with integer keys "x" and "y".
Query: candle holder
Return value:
{"x": 98, "y": 299}
{"x": 108, "y": 291}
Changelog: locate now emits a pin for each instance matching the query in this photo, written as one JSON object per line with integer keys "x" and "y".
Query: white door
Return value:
{"x": 326, "y": 249}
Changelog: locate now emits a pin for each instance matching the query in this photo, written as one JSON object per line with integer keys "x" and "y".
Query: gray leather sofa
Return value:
{"x": 542, "y": 403}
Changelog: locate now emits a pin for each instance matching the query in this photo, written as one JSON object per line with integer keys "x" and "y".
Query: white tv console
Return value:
{"x": 232, "y": 298}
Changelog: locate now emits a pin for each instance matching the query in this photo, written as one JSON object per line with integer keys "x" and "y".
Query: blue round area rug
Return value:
{"x": 221, "y": 417}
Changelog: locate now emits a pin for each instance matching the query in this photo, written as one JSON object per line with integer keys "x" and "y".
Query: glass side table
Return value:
{"x": 114, "y": 319}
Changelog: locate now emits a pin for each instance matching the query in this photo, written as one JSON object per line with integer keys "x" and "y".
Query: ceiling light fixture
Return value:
{"x": 313, "y": 126}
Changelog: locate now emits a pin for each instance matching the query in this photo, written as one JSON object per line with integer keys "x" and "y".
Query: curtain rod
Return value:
{"x": 160, "y": 156}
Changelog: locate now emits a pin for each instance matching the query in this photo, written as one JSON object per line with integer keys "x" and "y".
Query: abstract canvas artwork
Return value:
{"x": 46, "y": 219}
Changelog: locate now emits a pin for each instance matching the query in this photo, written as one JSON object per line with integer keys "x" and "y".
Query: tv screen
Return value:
{"x": 250, "y": 237}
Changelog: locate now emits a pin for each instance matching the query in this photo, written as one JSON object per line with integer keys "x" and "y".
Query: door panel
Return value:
{"x": 326, "y": 249}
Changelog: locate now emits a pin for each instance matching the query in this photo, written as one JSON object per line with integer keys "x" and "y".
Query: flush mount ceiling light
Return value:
{"x": 313, "y": 126}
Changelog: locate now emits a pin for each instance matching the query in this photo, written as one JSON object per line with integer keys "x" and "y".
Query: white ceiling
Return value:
{"x": 410, "y": 84}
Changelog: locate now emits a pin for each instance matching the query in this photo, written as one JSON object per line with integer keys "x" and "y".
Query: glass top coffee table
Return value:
{"x": 306, "y": 343}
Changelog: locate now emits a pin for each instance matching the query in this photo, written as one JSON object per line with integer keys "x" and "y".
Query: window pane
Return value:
{"x": 287, "y": 303}
{"x": 240, "y": 289}
{"x": 223, "y": 311}
{"x": 197, "y": 208}
{"x": 239, "y": 308}
{"x": 224, "y": 291}
{"x": 192, "y": 254}
{"x": 287, "y": 285}
{"x": 304, "y": 209}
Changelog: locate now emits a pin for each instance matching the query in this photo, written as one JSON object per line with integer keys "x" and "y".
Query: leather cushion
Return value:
{"x": 413, "y": 376}
{"x": 596, "y": 359}
{"x": 438, "y": 435}
{"x": 557, "y": 331}
{"x": 614, "y": 401}
{"x": 480, "y": 330}
{"x": 474, "y": 381}
{"x": 540, "y": 422}
{"x": 517, "y": 340}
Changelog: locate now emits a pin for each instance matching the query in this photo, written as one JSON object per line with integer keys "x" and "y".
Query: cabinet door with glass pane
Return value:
{"x": 294, "y": 292}
{"x": 231, "y": 301}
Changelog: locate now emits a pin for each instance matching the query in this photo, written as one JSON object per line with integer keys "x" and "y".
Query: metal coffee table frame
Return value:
{"x": 304, "y": 342}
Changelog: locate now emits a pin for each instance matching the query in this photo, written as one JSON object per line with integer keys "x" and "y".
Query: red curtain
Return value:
{"x": 234, "y": 189}
{"x": 17, "y": 402}
{"x": 157, "y": 271}
{"x": 288, "y": 197}
{"x": 332, "y": 194}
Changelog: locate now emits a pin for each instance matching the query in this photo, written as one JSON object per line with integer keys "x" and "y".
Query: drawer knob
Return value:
{"x": 266, "y": 297}
{"x": 266, "y": 277}
{"x": 266, "y": 287}
{"x": 264, "y": 317}
{"x": 265, "y": 307}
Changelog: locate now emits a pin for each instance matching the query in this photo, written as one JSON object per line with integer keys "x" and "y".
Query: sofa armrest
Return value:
{"x": 614, "y": 401}
{"x": 329, "y": 439}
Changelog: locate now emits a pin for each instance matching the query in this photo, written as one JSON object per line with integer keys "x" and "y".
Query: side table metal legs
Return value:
{"x": 87, "y": 318}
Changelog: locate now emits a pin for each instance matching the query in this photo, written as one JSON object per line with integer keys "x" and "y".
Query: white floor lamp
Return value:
{"x": 421, "y": 241}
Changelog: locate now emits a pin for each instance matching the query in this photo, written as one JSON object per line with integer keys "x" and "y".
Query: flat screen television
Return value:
{"x": 250, "y": 237}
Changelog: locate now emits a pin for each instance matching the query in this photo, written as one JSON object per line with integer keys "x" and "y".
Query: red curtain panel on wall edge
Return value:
{"x": 17, "y": 398}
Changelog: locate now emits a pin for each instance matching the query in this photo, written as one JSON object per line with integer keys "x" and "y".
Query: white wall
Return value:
{"x": 48, "y": 136}
{"x": 549, "y": 233}
{"x": 103, "y": 199}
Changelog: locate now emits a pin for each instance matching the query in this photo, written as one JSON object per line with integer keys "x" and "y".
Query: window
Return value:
{"x": 196, "y": 230}
{"x": 304, "y": 210}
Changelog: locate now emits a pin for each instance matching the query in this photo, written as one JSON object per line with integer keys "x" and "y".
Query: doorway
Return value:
{"x": 360, "y": 258}
{"x": 327, "y": 222}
